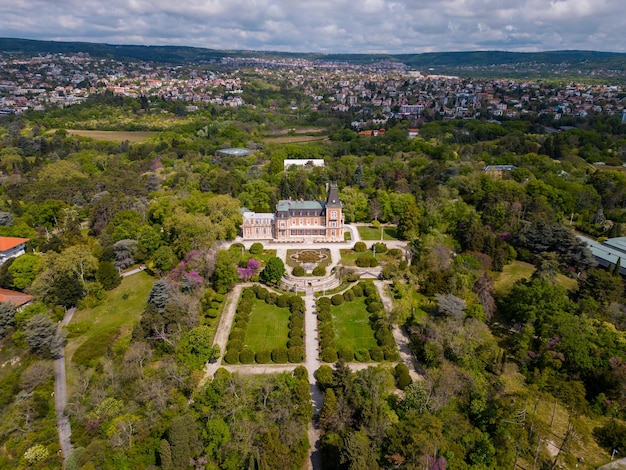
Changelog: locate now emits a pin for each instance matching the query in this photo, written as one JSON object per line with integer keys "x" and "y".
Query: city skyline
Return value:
{"x": 372, "y": 26}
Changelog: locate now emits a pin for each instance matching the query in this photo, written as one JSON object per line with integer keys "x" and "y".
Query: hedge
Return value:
{"x": 329, "y": 355}
{"x": 279, "y": 355}
{"x": 319, "y": 270}
{"x": 362, "y": 355}
{"x": 231, "y": 357}
{"x": 295, "y": 354}
{"x": 337, "y": 299}
{"x": 246, "y": 356}
{"x": 256, "y": 248}
{"x": 298, "y": 271}
{"x": 346, "y": 354}
{"x": 263, "y": 357}
{"x": 360, "y": 247}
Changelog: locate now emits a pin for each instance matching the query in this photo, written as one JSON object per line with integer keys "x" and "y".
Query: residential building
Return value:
{"x": 11, "y": 247}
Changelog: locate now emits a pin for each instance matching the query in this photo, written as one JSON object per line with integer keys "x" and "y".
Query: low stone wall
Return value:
{"x": 306, "y": 282}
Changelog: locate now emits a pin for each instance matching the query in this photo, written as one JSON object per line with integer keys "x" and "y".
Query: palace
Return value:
{"x": 298, "y": 221}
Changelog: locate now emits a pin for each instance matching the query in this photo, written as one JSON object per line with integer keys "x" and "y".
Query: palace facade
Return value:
{"x": 298, "y": 220}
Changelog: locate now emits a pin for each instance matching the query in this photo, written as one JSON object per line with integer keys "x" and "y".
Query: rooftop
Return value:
{"x": 286, "y": 204}
{"x": 16, "y": 298}
{"x": 235, "y": 152}
{"x": 6, "y": 243}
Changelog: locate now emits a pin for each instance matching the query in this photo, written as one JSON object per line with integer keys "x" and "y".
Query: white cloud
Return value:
{"x": 401, "y": 26}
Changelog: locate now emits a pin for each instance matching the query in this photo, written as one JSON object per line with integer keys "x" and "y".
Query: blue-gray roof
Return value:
{"x": 235, "y": 152}
{"x": 608, "y": 252}
{"x": 286, "y": 204}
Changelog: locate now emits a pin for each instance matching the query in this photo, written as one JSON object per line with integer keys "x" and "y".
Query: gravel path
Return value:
{"x": 60, "y": 394}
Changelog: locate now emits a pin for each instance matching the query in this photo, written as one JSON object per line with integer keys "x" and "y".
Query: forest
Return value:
{"x": 519, "y": 336}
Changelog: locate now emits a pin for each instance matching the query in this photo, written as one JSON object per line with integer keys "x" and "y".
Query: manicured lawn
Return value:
{"x": 91, "y": 329}
{"x": 369, "y": 232}
{"x": 352, "y": 326}
{"x": 517, "y": 270}
{"x": 268, "y": 327}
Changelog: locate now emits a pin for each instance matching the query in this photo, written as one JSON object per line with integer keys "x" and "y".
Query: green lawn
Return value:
{"x": 369, "y": 232}
{"x": 268, "y": 327}
{"x": 517, "y": 270}
{"x": 352, "y": 326}
{"x": 91, "y": 330}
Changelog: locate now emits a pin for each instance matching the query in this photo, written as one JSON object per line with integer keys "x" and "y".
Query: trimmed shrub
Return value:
{"x": 377, "y": 354}
{"x": 373, "y": 262}
{"x": 329, "y": 355}
{"x": 368, "y": 289}
{"x": 231, "y": 357}
{"x": 263, "y": 357}
{"x": 248, "y": 294}
{"x": 323, "y": 303}
{"x": 296, "y": 333}
{"x": 362, "y": 355}
{"x": 324, "y": 377}
{"x": 384, "y": 337}
{"x": 246, "y": 356}
{"x": 235, "y": 345}
{"x": 261, "y": 293}
{"x": 360, "y": 247}
{"x": 279, "y": 355}
{"x": 337, "y": 299}
{"x": 391, "y": 353}
{"x": 212, "y": 313}
{"x": 219, "y": 297}
{"x": 363, "y": 261}
{"x": 324, "y": 316}
{"x": 271, "y": 298}
{"x": 298, "y": 271}
{"x": 295, "y": 342}
{"x": 348, "y": 296}
{"x": 296, "y": 304}
{"x": 282, "y": 301}
{"x": 326, "y": 331}
{"x": 403, "y": 378}
{"x": 346, "y": 354}
{"x": 301, "y": 373}
{"x": 327, "y": 343}
{"x": 395, "y": 252}
{"x": 256, "y": 248}
{"x": 296, "y": 323}
{"x": 295, "y": 355}
{"x": 374, "y": 307}
{"x": 237, "y": 333}
{"x": 357, "y": 291}
{"x": 244, "y": 307}
{"x": 319, "y": 270}
{"x": 215, "y": 304}
{"x": 380, "y": 247}
{"x": 389, "y": 271}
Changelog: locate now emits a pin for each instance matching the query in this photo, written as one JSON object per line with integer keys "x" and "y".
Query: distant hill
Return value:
{"x": 466, "y": 63}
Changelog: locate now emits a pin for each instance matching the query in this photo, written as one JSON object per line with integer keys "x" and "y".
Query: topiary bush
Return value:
{"x": 279, "y": 355}
{"x": 231, "y": 357}
{"x": 346, "y": 354}
{"x": 337, "y": 299}
{"x": 395, "y": 252}
{"x": 362, "y": 355}
{"x": 234, "y": 345}
{"x": 324, "y": 316}
{"x": 329, "y": 355}
{"x": 357, "y": 291}
{"x": 301, "y": 373}
{"x": 212, "y": 313}
{"x": 319, "y": 270}
{"x": 246, "y": 356}
{"x": 363, "y": 261}
{"x": 374, "y": 307}
{"x": 237, "y": 333}
{"x": 282, "y": 301}
{"x": 348, "y": 296}
{"x": 380, "y": 247}
{"x": 324, "y": 377}
{"x": 377, "y": 354}
{"x": 295, "y": 342}
{"x": 391, "y": 353}
{"x": 295, "y": 354}
{"x": 263, "y": 357}
{"x": 360, "y": 247}
{"x": 298, "y": 271}
{"x": 256, "y": 248}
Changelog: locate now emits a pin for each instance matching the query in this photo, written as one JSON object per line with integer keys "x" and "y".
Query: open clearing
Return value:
{"x": 511, "y": 273}
{"x": 369, "y": 232}
{"x": 268, "y": 327}
{"x": 352, "y": 326}
{"x": 114, "y": 136}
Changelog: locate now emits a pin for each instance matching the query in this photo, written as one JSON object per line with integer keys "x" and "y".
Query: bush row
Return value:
{"x": 294, "y": 352}
{"x": 299, "y": 271}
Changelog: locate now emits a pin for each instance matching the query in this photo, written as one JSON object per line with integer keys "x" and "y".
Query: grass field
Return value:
{"x": 352, "y": 326}
{"x": 517, "y": 270}
{"x": 268, "y": 327}
{"x": 369, "y": 232}
{"x": 90, "y": 328}
{"x": 114, "y": 136}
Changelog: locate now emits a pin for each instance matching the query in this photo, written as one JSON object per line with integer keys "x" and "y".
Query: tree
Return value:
{"x": 160, "y": 294}
{"x": 408, "y": 225}
{"x": 24, "y": 270}
{"x": 108, "y": 275}
{"x": 7, "y": 317}
{"x": 357, "y": 452}
{"x": 41, "y": 336}
{"x": 194, "y": 348}
{"x": 225, "y": 275}
{"x": 183, "y": 439}
{"x": 450, "y": 305}
{"x": 273, "y": 272}
{"x": 124, "y": 253}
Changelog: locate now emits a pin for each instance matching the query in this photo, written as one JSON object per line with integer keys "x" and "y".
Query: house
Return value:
{"x": 11, "y": 247}
{"x": 608, "y": 253}
{"x": 19, "y": 299}
{"x": 297, "y": 220}
{"x": 498, "y": 171}
{"x": 289, "y": 162}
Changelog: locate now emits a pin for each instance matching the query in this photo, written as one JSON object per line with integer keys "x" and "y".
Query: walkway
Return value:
{"x": 60, "y": 393}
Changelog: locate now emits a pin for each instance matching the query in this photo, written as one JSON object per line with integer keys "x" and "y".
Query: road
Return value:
{"x": 60, "y": 393}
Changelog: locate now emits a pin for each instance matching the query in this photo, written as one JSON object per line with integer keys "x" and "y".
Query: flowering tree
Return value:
{"x": 252, "y": 268}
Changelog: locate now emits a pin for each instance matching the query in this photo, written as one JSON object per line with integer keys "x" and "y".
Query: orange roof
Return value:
{"x": 16, "y": 298}
{"x": 6, "y": 243}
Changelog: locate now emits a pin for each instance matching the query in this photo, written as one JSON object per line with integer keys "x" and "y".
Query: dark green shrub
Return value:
{"x": 215, "y": 304}
{"x": 337, "y": 299}
{"x": 231, "y": 357}
{"x": 319, "y": 270}
{"x": 271, "y": 298}
{"x": 301, "y": 373}
{"x": 377, "y": 354}
{"x": 282, "y": 301}
{"x": 348, "y": 296}
{"x": 244, "y": 306}
{"x": 360, "y": 247}
{"x": 357, "y": 291}
{"x": 612, "y": 436}
{"x": 246, "y": 356}
{"x": 327, "y": 342}
{"x": 296, "y": 332}
{"x": 212, "y": 313}
{"x": 372, "y": 298}
{"x": 363, "y": 261}
{"x": 324, "y": 377}
{"x": 374, "y": 307}
{"x": 391, "y": 353}
{"x": 326, "y": 331}
{"x": 279, "y": 355}
{"x": 324, "y": 316}
{"x": 241, "y": 324}
{"x": 403, "y": 265}
{"x": 368, "y": 289}
{"x": 380, "y": 247}
{"x": 219, "y": 297}
{"x": 323, "y": 303}
{"x": 395, "y": 252}
{"x": 362, "y": 355}
{"x": 296, "y": 323}
{"x": 235, "y": 345}
{"x": 248, "y": 294}
{"x": 295, "y": 342}
{"x": 295, "y": 354}
{"x": 296, "y": 304}
{"x": 389, "y": 271}
{"x": 260, "y": 292}
{"x": 346, "y": 354}
{"x": 263, "y": 357}
{"x": 237, "y": 333}
{"x": 403, "y": 378}
{"x": 256, "y": 248}
{"x": 329, "y": 355}
{"x": 373, "y": 262}
{"x": 384, "y": 337}
{"x": 298, "y": 271}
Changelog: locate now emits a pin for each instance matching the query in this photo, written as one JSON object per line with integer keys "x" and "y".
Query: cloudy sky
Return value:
{"x": 365, "y": 26}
